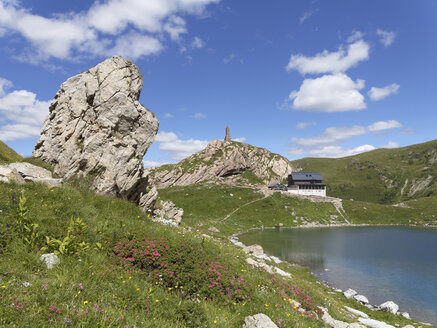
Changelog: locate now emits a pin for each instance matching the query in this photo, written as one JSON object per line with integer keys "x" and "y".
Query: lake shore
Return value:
{"x": 328, "y": 283}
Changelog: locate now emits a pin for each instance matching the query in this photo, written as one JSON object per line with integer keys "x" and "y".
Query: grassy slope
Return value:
{"x": 119, "y": 296}
{"x": 7, "y": 155}
{"x": 367, "y": 176}
{"x": 207, "y": 206}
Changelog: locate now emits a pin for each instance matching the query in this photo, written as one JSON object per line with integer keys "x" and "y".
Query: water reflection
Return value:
{"x": 388, "y": 263}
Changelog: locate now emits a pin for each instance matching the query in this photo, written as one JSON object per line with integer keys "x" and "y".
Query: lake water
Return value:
{"x": 382, "y": 263}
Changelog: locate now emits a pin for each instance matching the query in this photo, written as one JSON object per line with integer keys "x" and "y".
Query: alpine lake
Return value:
{"x": 396, "y": 264}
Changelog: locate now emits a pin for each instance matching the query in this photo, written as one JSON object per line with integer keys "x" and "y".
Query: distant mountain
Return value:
{"x": 7, "y": 155}
{"x": 226, "y": 162}
{"x": 384, "y": 176}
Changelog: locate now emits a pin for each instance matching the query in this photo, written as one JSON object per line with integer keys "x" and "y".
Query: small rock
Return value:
{"x": 406, "y": 315}
{"x": 259, "y": 320}
{"x": 389, "y": 307}
{"x": 50, "y": 260}
{"x": 214, "y": 229}
{"x": 356, "y": 312}
{"x": 350, "y": 293}
{"x": 408, "y": 326}
{"x": 232, "y": 195}
{"x": 374, "y": 323}
{"x": 361, "y": 299}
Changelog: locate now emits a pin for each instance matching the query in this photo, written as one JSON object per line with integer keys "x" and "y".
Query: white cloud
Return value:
{"x": 337, "y": 151}
{"x": 303, "y": 125}
{"x": 295, "y": 151}
{"x": 329, "y": 93}
{"x": 129, "y": 27}
{"x": 168, "y": 115}
{"x": 391, "y": 144}
{"x": 330, "y": 62}
{"x": 355, "y": 35}
{"x": 386, "y": 37}
{"x": 135, "y": 45}
{"x": 21, "y": 113}
{"x": 335, "y": 135}
{"x": 242, "y": 139}
{"x": 177, "y": 148}
{"x": 384, "y": 125}
{"x": 4, "y": 84}
{"x": 380, "y": 93}
{"x": 199, "y": 116}
{"x": 197, "y": 43}
{"x": 230, "y": 58}
{"x": 153, "y": 163}
{"x": 306, "y": 15}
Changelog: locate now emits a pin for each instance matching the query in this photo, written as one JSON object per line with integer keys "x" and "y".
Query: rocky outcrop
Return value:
{"x": 167, "y": 210}
{"x": 97, "y": 127}
{"x": 25, "y": 172}
{"x": 224, "y": 161}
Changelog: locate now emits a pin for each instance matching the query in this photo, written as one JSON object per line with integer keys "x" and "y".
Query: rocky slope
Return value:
{"x": 96, "y": 126}
{"x": 384, "y": 175}
{"x": 224, "y": 161}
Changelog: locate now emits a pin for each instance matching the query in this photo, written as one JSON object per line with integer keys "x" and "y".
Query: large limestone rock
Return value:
{"x": 96, "y": 126}
{"x": 223, "y": 161}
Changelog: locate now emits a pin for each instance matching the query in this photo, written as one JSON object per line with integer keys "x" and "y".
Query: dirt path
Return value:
{"x": 238, "y": 208}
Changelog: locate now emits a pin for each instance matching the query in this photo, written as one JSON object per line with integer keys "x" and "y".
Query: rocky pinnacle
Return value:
{"x": 97, "y": 127}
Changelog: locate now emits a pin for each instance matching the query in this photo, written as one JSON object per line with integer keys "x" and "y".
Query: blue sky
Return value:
{"x": 300, "y": 78}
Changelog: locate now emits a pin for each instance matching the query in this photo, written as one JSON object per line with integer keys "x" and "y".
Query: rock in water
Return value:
{"x": 97, "y": 127}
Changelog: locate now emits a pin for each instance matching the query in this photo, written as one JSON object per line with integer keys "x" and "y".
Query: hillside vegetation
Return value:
{"x": 7, "y": 155}
{"x": 120, "y": 269}
{"x": 385, "y": 176}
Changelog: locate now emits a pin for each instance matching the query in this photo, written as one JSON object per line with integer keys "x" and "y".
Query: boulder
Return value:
{"x": 356, "y": 312}
{"x": 389, "y": 307}
{"x": 33, "y": 173}
{"x": 361, "y": 299}
{"x": 8, "y": 175}
{"x": 50, "y": 260}
{"x": 374, "y": 323}
{"x": 259, "y": 320}
{"x": 350, "y": 293}
{"x": 97, "y": 127}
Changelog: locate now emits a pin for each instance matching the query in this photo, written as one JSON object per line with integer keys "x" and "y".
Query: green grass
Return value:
{"x": 7, "y": 155}
{"x": 92, "y": 288}
{"x": 208, "y": 205}
{"x": 378, "y": 176}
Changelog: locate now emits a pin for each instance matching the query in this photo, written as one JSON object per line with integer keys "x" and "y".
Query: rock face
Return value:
{"x": 224, "y": 161}
{"x": 96, "y": 126}
{"x": 259, "y": 320}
